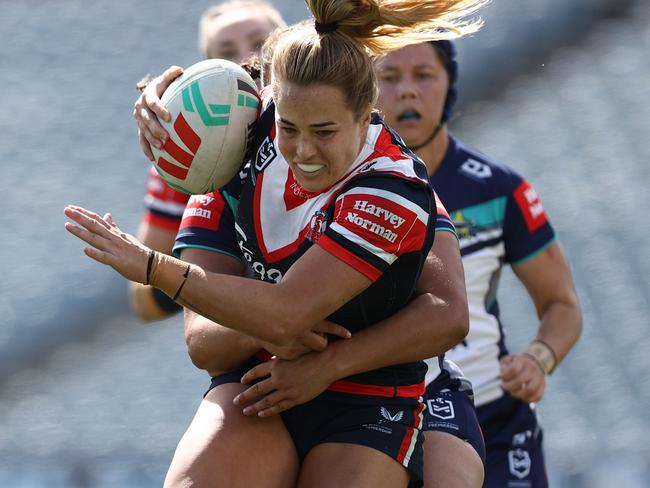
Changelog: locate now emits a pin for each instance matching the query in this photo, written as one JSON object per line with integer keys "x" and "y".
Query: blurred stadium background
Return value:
{"x": 89, "y": 397}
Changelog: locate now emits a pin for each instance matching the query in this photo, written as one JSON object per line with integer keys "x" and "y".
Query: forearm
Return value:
{"x": 150, "y": 304}
{"x": 214, "y": 348}
{"x": 257, "y": 309}
{"x": 560, "y": 327}
{"x": 427, "y": 327}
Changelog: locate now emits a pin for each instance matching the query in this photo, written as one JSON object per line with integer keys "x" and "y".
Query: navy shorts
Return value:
{"x": 513, "y": 440}
{"x": 391, "y": 425}
{"x": 451, "y": 410}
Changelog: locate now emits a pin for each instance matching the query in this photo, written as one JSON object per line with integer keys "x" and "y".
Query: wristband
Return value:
{"x": 543, "y": 356}
{"x": 152, "y": 255}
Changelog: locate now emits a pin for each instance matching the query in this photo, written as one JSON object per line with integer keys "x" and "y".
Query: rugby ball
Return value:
{"x": 213, "y": 105}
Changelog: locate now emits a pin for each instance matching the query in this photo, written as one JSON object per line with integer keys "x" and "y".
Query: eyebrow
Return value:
{"x": 319, "y": 124}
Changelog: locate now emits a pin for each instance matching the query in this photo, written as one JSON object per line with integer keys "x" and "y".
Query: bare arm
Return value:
{"x": 436, "y": 320}
{"x": 142, "y": 298}
{"x": 547, "y": 277}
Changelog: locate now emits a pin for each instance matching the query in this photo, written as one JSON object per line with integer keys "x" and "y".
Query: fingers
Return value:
{"x": 91, "y": 221}
{"x": 327, "y": 327}
{"x": 277, "y": 406}
{"x": 150, "y": 131}
{"x": 522, "y": 378}
{"x": 313, "y": 341}
{"x": 254, "y": 392}
{"x": 268, "y": 402}
{"x": 155, "y": 90}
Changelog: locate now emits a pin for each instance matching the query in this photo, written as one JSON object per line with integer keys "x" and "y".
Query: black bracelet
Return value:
{"x": 152, "y": 254}
{"x": 185, "y": 275}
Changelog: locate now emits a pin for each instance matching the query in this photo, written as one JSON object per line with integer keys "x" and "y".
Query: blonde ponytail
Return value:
{"x": 336, "y": 47}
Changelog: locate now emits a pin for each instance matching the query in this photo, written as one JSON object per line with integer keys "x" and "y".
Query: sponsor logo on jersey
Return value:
{"x": 475, "y": 169}
{"x": 203, "y": 211}
{"x": 376, "y": 219}
{"x": 530, "y": 205}
{"x": 519, "y": 463}
{"x": 262, "y": 270}
{"x": 441, "y": 408}
{"x": 392, "y": 418}
{"x": 380, "y": 222}
{"x": 265, "y": 154}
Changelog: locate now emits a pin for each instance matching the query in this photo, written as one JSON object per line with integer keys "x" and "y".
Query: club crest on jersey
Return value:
{"x": 317, "y": 225}
{"x": 441, "y": 408}
{"x": 519, "y": 463}
{"x": 265, "y": 154}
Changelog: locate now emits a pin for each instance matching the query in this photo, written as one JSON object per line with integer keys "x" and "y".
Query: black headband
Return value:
{"x": 325, "y": 28}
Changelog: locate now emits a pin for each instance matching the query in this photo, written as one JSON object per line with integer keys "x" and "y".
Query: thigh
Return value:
{"x": 222, "y": 447}
{"x": 450, "y": 462}
{"x": 513, "y": 441}
{"x": 352, "y": 466}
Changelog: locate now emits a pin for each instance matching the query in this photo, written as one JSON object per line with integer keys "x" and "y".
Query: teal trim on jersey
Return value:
{"x": 532, "y": 255}
{"x": 233, "y": 203}
{"x": 485, "y": 214}
{"x": 176, "y": 250}
{"x": 447, "y": 229}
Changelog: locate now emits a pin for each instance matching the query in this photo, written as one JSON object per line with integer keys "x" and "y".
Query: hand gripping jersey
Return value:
{"x": 379, "y": 218}
{"x": 499, "y": 219}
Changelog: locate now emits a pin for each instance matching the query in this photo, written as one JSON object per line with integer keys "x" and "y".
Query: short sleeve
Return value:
{"x": 443, "y": 221}
{"x": 526, "y": 227}
{"x": 209, "y": 223}
{"x": 378, "y": 220}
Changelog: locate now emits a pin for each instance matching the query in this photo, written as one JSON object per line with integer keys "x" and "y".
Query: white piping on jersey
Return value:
{"x": 421, "y": 214}
{"x": 170, "y": 208}
{"x": 482, "y": 236}
{"x": 350, "y": 236}
{"x": 433, "y": 369}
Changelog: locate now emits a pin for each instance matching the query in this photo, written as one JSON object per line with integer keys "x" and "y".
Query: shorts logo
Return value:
{"x": 393, "y": 418}
{"x": 520, "y": 438}
{"x": 519, "y": 463}
{"x": 441, "y": 408}
{"x": 265, "y": 154}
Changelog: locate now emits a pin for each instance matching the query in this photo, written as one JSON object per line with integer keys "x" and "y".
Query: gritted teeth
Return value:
{"x": 309, "y": 168}
{"x": 409, "y": 115}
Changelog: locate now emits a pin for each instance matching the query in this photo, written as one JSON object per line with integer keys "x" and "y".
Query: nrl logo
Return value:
{"x": 441, "y": 408}
{"x": 265, "y": 154}
{"x": 393, "y": 418}
{"x": 519, "y": 463}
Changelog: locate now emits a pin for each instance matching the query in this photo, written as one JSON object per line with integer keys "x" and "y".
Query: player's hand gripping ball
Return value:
{"x": 213, "y": 105}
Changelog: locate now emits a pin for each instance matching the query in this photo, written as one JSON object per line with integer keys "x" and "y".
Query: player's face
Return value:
{"x": 236, "y": 35}
{"x": 413, "y": 85}
{"x": 317, "y": 133}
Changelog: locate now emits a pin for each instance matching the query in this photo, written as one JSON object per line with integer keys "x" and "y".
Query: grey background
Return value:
{"x": 91, "y": 397}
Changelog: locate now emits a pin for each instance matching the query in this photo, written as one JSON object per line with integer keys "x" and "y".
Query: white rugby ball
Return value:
{"x": 213, "y": 105}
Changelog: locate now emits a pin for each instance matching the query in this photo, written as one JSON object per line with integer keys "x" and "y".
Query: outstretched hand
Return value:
{"x": 148, "y": 109}
{"x": 108, "y": 244}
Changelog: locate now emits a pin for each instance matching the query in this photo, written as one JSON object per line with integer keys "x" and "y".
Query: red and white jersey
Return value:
{"x": 164, "y": 205}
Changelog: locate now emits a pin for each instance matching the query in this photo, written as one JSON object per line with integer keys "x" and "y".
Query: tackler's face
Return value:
{"x": 413, "y": 84}
{"x": 237, "y": 34}
{"x": 318, "y": 135}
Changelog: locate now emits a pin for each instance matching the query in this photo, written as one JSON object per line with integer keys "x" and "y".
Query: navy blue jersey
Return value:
{"x": 379, "y": 218}
{"x": 499, "y": 219}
